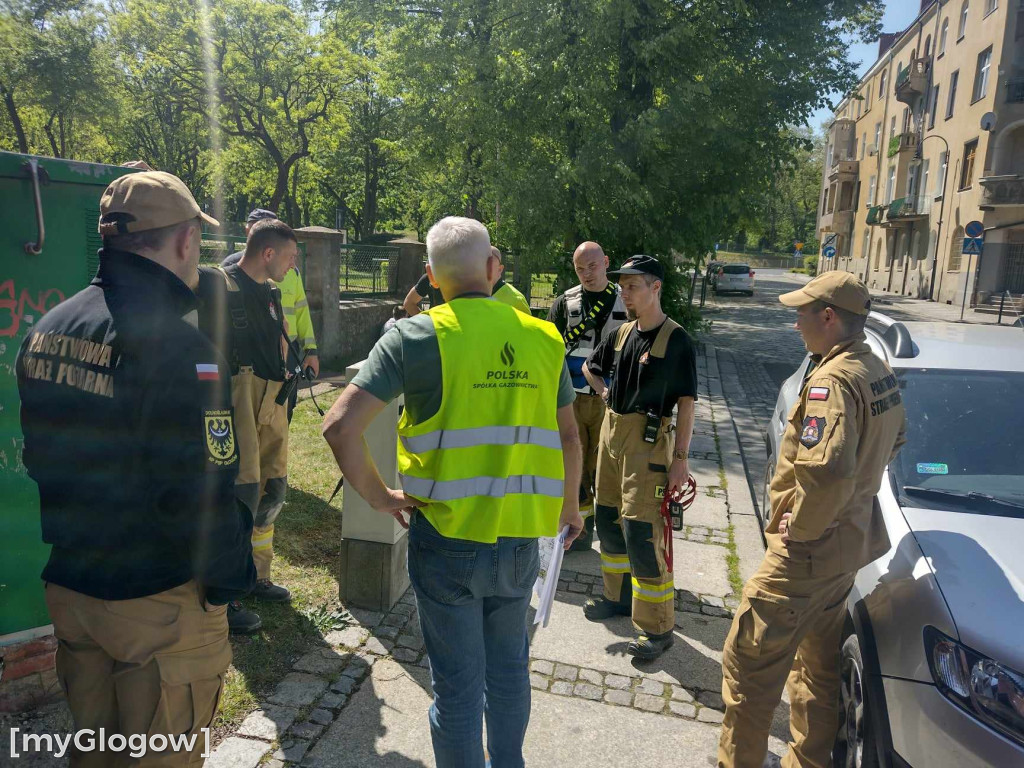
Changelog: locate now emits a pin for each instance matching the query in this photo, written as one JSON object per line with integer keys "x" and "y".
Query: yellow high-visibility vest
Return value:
{"x": 509, "y": 294}
{"x": 489, "y": 462}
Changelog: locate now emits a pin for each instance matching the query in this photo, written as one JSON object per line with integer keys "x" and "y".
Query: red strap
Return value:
{"x": 666, "y": 515}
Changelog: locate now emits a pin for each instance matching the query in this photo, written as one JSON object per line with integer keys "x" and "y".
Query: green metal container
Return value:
{"x": 30, "y": 285}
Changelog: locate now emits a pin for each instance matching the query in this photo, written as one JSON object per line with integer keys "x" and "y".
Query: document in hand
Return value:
{"x": 551, "y": 551}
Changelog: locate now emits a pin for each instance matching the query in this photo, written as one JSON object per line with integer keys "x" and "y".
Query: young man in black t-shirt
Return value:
{"x": 422, "y": 290}
{"x": 653, "y": 368}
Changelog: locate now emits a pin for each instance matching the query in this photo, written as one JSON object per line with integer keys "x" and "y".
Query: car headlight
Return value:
{"x": 987, "y": 689}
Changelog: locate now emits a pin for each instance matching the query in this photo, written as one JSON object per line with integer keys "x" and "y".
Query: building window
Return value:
{"x": 878, "y": 255}
{"x": 970, "y": 152}
{"x": 934, "y": 107}
{"x": 871, "y": 190}
{"x": 881, "y": 85}
{"x": 955, "y": 246}
{"x": 990, "y": 6}
{"x": 858, "y": 105}
{"x": 942, "y": 37}
{"x": 890, "y": 185}
{"x": 951, "y": 101}
{"x": 906, "y": 119}
{"x": 863, "y": 144}
{"x": 925, "y": 179}
{"x": 878, "y": 136}
{"x": 865, "y": 250}
{"x": 961, "y": 29}
{"x": 981, "y": 74}
{"x": 928, "y": 46}
{"x": 867, "y": 102}
{"x": 941, "y": 181}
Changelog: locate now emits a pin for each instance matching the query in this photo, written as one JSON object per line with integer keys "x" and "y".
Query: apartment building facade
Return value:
{"x": 931, "y": 139}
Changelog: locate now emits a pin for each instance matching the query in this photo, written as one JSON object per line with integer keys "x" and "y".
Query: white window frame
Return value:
{"x": 940, "y": 189}
{"x": 954, "y": 82}
{"x": 991, "y": 6}
{"x": 872, "y": 189}
{"x": 890, "y": 185}
{"x": 961, "y": 29}
{"x": 943, "y": 35}
{"x": 981, "y": 75}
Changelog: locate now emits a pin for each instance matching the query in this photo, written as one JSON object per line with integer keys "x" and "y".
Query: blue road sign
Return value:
{"x": 973, "y": 246}
{"x": 829, "y": 251}
{"x": 974, "y": 229}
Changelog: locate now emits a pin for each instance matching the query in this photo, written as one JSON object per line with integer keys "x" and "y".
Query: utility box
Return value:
{"x": 64, "y": 196}
{"x": 374, "y": 545}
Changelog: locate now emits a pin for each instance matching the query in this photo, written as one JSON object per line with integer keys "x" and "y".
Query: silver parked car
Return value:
{"x": 933, "y": 656}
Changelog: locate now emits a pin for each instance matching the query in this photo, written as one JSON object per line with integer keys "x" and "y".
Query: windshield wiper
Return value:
{"x": 972, "y": 495}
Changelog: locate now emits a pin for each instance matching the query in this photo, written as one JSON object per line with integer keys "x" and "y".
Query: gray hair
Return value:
{"x": 457, "y": 246}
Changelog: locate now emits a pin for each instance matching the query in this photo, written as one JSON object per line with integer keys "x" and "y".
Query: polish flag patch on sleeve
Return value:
{"x": 207, "y": 371}
{"x": 818, "y": 393}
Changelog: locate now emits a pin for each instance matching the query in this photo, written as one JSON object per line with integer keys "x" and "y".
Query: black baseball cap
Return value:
{"x": 259, "y": 214}
{"x": 640, "y": 265}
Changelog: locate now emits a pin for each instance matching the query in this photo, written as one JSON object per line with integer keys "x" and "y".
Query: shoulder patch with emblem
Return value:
{"x": 814, "y": 428}
{"x": 219, "y": 429}
{"x": 818, "y": 393}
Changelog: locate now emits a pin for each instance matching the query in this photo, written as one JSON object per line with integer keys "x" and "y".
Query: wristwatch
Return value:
{"x": 678, "y": 454}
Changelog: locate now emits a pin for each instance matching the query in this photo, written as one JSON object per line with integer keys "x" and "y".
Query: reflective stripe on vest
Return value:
{"x": 581, "y": 349}
{"x": 488, "y": 464}
{"x": 480, "y": 436}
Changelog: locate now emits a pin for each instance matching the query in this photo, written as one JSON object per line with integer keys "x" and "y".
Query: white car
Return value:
{"x": 735, "y": 277}
{"x": 933, "y": 652}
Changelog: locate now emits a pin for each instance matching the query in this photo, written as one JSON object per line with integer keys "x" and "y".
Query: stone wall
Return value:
{"x": 28, "y": 677}
{"x": 361, "y": 321}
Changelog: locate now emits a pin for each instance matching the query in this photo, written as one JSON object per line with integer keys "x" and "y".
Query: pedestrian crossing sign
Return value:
{"x": 973, "y": 246}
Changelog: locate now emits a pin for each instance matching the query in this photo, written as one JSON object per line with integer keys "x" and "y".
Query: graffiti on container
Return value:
{"x": 25, "y": 307}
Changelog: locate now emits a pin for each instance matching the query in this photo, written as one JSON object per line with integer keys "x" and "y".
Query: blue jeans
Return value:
{"x": 473, "y": 599}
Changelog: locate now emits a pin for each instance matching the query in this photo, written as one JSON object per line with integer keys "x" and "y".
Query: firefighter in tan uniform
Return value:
{"x": 844, "y": 430}
{"x": 242, "y": 312}
{"x": 584, "y": 315}
{"x": 653, "y": 367}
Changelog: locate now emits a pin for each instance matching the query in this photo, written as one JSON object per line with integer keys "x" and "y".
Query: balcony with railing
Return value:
{"x": 875, "y": 215}
{"x": 904, "y": 210}
{"x": 912, "y": 81}
{"x": 1015, "y": 91}
{"x": 902, "y": 143}
{"x": 844, "y": 170}
{"x": 1002, "y": 191}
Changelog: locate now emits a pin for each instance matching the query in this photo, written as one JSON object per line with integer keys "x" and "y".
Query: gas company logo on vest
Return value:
{"x": 509, "y": 377}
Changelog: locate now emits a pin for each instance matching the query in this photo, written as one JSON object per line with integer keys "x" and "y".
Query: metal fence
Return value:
{"x": 365, "y": 270}
{"x": 215, "y": 248}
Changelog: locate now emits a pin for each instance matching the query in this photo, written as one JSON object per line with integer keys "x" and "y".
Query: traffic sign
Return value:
{"x": 829, "y": 251}
{"x": 974, "y": 229}
{"x": 829, "y": 239}
{"x": 973, "y": 246}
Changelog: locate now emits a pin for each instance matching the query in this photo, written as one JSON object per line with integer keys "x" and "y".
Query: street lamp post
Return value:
{"x": 942, "y": 208}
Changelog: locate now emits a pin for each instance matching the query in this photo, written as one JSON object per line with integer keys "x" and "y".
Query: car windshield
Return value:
{"x": 965, "y": 441}
{"x": 735, "y": 269}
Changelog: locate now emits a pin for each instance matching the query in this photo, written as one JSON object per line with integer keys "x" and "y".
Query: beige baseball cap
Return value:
{"x": 840, "y": 289}
{"x": 147, "y": 200}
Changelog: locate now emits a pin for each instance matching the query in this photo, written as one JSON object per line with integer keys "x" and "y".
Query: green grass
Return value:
{"x": 306, "y": 542}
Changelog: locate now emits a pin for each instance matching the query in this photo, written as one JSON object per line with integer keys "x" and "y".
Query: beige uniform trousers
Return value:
{"x": 786, "y": 634}
{"x": 148, "y": 666}
{"x": 631, "y": 478}
{"x": 262, "y": 429}
{"x": 589, "y": 411}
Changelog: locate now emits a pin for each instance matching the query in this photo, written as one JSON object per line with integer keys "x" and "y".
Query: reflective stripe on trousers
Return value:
{"x": 497, "y": 487}
{"x": 480, "y": 436}
{"x": 654, "y": 592}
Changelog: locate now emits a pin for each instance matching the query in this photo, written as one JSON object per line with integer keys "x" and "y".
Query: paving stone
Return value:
{"x": 359, "y": 667}
{"x": 712, "y": 600}
{"x": 306, "y": 730}
{"x": 332, "y": 701}
{"x": 539, "y": 682}
{"x": 711, "y": 699}
{"x": 591, "y": 676}
{"x": 395, "y": 620}
{"x": 273, "y": 763}
{"x": 424, "y": 662}
{"x": 708, "y": 715}
{"x": 617, "y": 681}
{"x": 651, "y": 687}
{"x": 386, "y": 633}
{"x": 404, "y": 608}
{"x": 292, "y": 750}
{"x": 562, "y": 688}
{"x": 565, "y": 672}
{"x": 409, "y": 598}
{"x": 344, "y": 685}
{"x": 587, "y": 691}
{"x": 410, "y": 641}
{"x": 298, "y": 689}
{"x": 268, "y": 722}
{"x": 649, "y": 703}
{"x": 698, "y": 531}
{"x": 563, "y": 585}
{"x": 711, "y": 610}
{"x": 543, "y": 667}
{"x": 350, "y": 637}
{"x": 579, "y": 588}
{"x": 321, "y": 716}
{"x": 719, "y": 540}
{"x": 682, "y": 709}
{"x": 236, "y": 752}
{"x": 406, "y": 655}
{"x": 689, "y": 607}
{"x": 681, "y": 694}
{"x": 317, "y": 663}
{"x": 622, "y": 698}
{"x": 378, "y": 646}
{"x": 366, "y": 618}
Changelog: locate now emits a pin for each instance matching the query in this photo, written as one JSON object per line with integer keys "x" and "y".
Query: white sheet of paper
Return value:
{"x": 551, "y": 551}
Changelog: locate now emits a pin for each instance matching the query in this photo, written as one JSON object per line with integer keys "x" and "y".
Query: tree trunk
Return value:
{"x": 371, "y": 186}
{"x": 12, "y": 113}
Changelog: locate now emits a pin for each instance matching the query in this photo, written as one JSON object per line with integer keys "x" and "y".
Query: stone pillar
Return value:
{"x": 373, "y": 571}
{"x": 408, "y": 267}
{"x": 320, "y": 279}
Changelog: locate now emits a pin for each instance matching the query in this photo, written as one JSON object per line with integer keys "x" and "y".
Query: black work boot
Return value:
{"x": 242, "y": 621}
{"x": 267, "y": 590}
{"x": 650, "y": 647}
{"x": 601, "y": 608}
{"x": 585, "y": 540}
